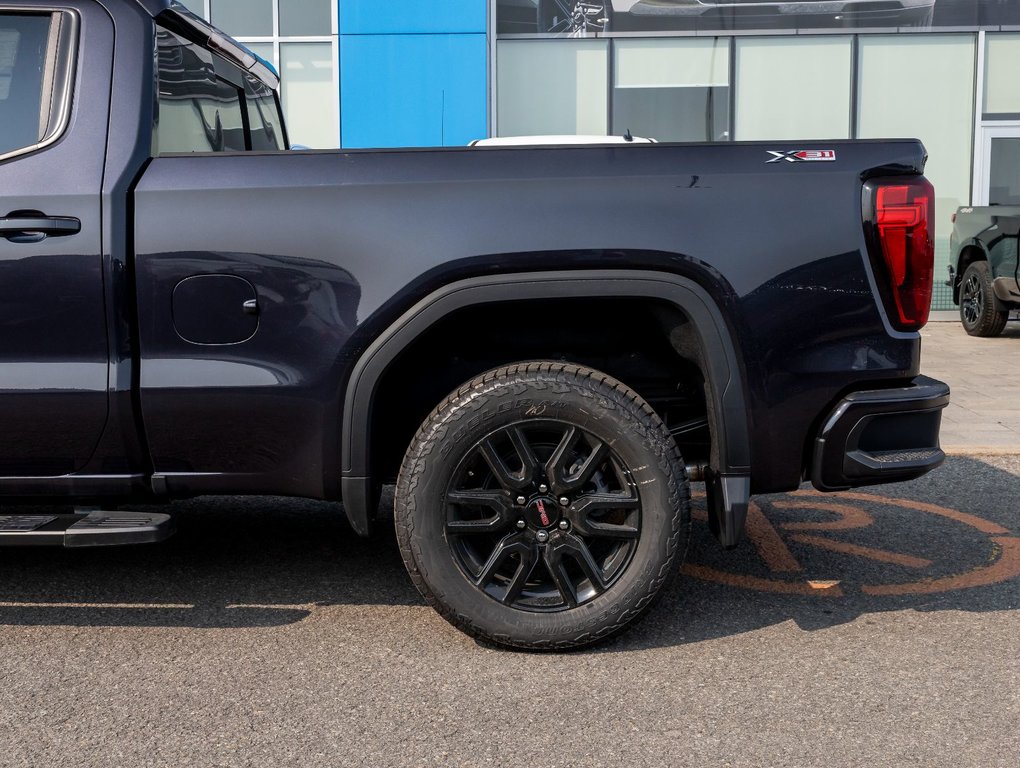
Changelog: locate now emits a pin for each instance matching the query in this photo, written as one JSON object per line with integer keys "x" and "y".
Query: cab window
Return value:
{"x": 200, "y": 109}
{"x": 207, "y": 104}
{"x": 36, "y": 50}
{"x": 263, "y": 117}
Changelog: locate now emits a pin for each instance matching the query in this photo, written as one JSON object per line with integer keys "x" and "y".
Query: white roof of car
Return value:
{"x": 529, "y": 141}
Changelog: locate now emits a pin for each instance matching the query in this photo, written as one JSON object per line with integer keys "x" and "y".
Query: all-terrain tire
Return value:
{"x": 531, "y": 399}
{"x": 978, "y": 311}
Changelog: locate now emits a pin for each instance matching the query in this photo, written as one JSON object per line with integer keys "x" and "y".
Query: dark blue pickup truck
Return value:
{"x": 541, "y": 346}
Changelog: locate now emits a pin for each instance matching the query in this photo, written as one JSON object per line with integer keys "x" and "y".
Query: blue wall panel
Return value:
{"x": 406, "y": 90}
{"x": 394, "y": 17}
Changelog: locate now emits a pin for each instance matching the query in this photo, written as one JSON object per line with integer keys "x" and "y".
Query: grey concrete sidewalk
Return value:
{"x": 984, "y": 415}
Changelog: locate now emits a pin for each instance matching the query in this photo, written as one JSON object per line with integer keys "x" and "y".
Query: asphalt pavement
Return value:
{"x": 871, "y": 629}
{"x": 984, "y": 374}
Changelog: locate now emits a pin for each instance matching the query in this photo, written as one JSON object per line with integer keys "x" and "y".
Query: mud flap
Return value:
{"x": 728, "y": 497}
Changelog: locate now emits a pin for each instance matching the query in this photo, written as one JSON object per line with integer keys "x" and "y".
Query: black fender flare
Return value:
{"x": 976, "y": 244}
{"x": 723, "y": 371}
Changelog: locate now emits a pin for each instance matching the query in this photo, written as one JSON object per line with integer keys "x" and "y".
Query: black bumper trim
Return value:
{"x": 881, "y": 436}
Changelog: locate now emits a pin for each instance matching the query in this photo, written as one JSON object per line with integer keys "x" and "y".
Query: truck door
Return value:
{"x": 53, "y": 340}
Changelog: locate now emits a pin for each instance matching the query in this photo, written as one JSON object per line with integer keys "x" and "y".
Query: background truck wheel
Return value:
{"x": 574, "y": 18}
{"x": 542, "y": 506}
{"x": 977, "y": 303}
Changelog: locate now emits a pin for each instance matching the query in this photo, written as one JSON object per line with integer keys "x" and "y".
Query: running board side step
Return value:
{"x": 95, "y": 529}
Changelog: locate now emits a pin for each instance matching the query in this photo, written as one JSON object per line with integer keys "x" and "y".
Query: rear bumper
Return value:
{"x": 881, "y": 436}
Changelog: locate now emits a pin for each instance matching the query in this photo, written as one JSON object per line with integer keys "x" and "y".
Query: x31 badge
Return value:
{"x": 803, "y": 156}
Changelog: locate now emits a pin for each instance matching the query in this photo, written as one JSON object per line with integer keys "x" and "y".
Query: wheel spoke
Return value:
{"x": 581, "y": 511}
{"x": 508, "y": 479}
{"x": 529, "y": 464}
{"x": 554, "y": 564}
{"x": 507, "y": 546}
{"x": 563, "y": 481}
{"x": 498, "y": 501}
{"x": 576, "y": 548}
{"x": 594, "y": 460}
{"x": 521, "y": 576}
{"x": 556, "y": 461}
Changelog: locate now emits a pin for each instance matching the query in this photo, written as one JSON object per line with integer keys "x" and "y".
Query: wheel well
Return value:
{"x": 651, "y": 346}
{"x": 968, "y": 256}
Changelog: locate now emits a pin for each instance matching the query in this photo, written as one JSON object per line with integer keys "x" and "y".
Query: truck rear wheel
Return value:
{"x": 978, "y": 312}
{"x": 542, "y": 506}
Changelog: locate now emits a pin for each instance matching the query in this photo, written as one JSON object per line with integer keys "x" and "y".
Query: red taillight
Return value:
{"x": 904, "y": 216}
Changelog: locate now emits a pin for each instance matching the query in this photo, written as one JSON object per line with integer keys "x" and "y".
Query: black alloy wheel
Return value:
{"x": 978, "y": 312}
{"x": 574, "y": 18}
{"x": 542, "y": 506}
{"x": 543, "y": 516}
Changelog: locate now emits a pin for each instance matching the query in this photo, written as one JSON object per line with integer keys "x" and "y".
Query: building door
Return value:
{"x": 997, "y": 165}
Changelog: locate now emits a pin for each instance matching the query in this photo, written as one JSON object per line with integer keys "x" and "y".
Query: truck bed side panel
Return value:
{"x": 337, "y": 244}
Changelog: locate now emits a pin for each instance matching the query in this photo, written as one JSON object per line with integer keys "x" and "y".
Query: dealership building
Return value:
{"x": 365, "y": 73}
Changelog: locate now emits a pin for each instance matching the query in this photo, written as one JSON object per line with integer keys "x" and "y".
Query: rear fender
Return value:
{"x": 729, "y": 481}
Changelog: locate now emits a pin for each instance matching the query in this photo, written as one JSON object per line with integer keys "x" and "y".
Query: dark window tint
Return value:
{"x": 199, "y": 111}
{"x": 30, "y": 84}
{"x": 673, "y": 114}
{"x": 263, "y": 117}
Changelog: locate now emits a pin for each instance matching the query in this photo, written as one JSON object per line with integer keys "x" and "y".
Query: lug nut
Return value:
{"x": 543, "y": 488}
{"x": 542, "y": 536}
{"x": 521, "y": 500}
{"x": 521, "y": 524}
{"x": 564, "y": 525}
{"x": 564, "y": 501}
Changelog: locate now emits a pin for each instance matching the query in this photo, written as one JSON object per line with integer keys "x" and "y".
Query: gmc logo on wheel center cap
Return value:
{"x": 803, "y": 156}
{"x": 543, "y": 515}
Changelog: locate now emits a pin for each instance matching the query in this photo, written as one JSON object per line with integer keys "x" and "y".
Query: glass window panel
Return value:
{"x": 552, "y": 87}
{"x": 265, "y": 50}
{"x": 306, "y": 17}
{"x": 309, "y": 93}
{"x": 198, "y": 111}
{"x": 1004, "y": 188}
{"x": 672, "y": 90}
{"x": 197, "y": 7}
{"x": 23, "y": 114}
{"x": 1002, "y": 65}
{"x": 937, "y": 108}
{"x": 672, "y": 63}
{"x": 793, "y": 88}
{"x": 243, "y": 18}
{"x": 263, "y": 117}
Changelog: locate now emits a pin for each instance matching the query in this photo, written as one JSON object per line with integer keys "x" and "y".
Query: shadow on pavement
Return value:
{"x": 946, "y": 542}
{"x": 234, "y": 562}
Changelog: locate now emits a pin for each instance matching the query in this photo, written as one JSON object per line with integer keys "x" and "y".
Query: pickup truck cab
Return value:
{"x": 542, "y": 346}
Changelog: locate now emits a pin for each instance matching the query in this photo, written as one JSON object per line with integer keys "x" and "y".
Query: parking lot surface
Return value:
{"x": 878, "y": 629}
{"x": 984, "y": 374}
